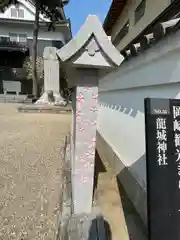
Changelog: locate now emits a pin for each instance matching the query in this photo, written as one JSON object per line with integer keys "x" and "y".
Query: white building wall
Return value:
{"x": 29, "y": 15}
{"x": 43, "y": 32}
{"x": 29, "y": 12}
{"x": 156, "y": 73}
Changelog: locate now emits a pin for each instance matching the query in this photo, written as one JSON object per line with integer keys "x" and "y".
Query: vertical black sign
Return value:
{"x": 162, "y": 124}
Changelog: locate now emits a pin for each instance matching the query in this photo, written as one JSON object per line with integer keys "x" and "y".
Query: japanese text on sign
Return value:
{"x": 161, "y": 137}
{"x": 176, "y": 126}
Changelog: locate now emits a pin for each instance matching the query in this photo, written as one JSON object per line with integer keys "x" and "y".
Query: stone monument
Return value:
{"x": 51, "y": 93}
{"x": 90, "y": 52}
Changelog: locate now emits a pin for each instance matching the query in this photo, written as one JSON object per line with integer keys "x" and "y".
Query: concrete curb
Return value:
{"x": 33, "y": 108}
{"x": 66, "y": 197}
{"x": 72, "y": 226}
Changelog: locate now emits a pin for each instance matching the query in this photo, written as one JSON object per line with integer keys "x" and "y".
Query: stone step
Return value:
{"x": 10, "y": 100}
{"x": 14, "y": 98}
{"x": 35, "y": 108}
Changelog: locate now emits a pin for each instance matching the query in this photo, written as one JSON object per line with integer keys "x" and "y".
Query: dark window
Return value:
{"x": 140, "y": 10}
{"x": 57, "y": 44}
{"x": 4, "y": 39}
{"x": 123, "y": 32}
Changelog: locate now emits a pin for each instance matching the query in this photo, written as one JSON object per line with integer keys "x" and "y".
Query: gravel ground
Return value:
{"x": 30, "y": 173}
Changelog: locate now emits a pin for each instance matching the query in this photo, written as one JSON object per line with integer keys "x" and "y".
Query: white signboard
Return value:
{"x": 12, "y": 86}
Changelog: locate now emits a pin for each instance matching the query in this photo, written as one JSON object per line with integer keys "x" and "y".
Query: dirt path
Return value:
{"x": 30, "y": 173}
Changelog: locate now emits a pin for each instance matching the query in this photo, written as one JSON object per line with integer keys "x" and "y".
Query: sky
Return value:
{"x": 77, "y": 11}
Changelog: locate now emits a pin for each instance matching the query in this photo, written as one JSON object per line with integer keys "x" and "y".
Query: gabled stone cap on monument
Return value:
{"x": 50, "y": 53}
{"x": 91, "y": 48}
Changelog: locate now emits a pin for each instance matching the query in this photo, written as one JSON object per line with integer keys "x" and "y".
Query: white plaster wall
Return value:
{"x": 153, "y": 9}
{"x": 29, "y": 12}
{"x": 43, "y": 33}
{"x": 155, "y": 73}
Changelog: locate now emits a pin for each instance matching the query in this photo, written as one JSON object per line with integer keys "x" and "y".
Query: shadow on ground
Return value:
{"x": 116, "y": 204}
{"x": 136, "y": 228}
{"x": 93, "y": 229}
{"x": 98, "y": 168}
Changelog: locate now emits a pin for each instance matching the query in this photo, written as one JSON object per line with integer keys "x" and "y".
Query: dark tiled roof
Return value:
{"x": 160, "y": 31}
{"x": 114, "y": 12}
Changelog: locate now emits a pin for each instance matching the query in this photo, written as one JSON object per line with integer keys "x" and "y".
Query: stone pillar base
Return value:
{"x": 85, "y": 226}
{"x": 58, "y": 100}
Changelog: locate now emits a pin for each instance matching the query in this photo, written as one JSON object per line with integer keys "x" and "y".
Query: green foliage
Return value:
{"x": 53, "y": 10}
{"x": 5, "y": 3}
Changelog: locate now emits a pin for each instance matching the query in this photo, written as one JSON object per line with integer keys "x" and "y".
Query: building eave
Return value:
{"x": 63, "y": 26}
{"x": 113, "y": 14}
{"x": 30, "y": 22}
